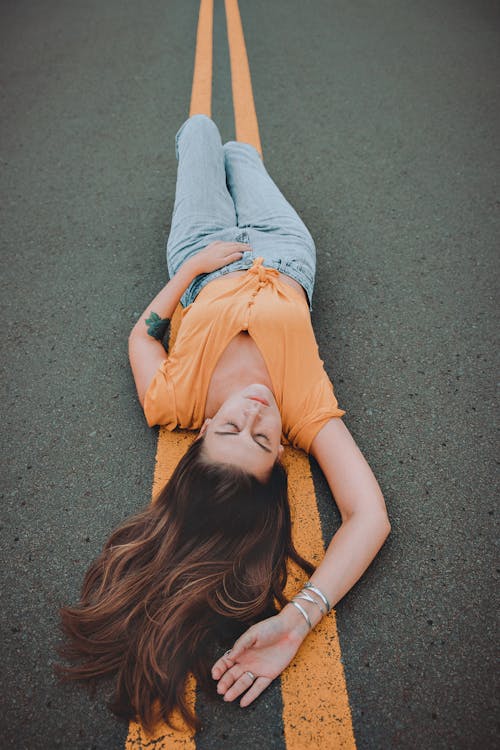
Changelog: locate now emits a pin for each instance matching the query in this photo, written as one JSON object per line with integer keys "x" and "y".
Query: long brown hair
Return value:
{"x": 187, "y": 574}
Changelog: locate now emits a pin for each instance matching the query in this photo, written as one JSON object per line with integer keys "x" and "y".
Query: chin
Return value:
{"x": 257, "y": 386}
{"x": 259, "y": 390}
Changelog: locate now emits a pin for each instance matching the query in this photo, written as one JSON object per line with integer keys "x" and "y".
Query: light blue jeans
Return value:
{"x": 225, "y": 193}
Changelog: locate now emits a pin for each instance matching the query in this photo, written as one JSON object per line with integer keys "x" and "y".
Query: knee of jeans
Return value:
{"x": 201, "y": 119}
{"x": 199, "y": 122}
{"x": 196, "y": 121}
{"x": 239, "y": 146}
{"x": 235, "y": 146}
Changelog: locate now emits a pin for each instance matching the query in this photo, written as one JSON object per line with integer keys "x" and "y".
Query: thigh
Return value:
{"x": 203, "y": 204}
{"x": 258, "y": 201}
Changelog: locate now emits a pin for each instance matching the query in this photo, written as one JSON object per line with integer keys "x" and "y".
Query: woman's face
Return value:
{"x": 246, "y": 431}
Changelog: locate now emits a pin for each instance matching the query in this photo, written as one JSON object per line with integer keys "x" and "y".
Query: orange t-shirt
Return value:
{"x": 277, "y": 318}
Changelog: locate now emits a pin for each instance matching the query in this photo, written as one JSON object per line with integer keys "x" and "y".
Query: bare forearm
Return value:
{"x": 365, "y": 523}
{"x": 146, "y": 354}
{"x": 268, "y": 647}
{"x": 365, "y": 526}
{"x": 166, "y": 301}
{"x": 350, "y": 552}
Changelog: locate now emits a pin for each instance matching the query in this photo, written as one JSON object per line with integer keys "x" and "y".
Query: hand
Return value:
{"x": 216, "y": 255}
{"x": 265, "y": 649}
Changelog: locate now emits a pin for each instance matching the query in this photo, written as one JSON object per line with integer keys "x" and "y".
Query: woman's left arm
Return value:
{"x": 146, "y": 354}
{"x": 365, "y": 523}
{"x": 365, "y": 526}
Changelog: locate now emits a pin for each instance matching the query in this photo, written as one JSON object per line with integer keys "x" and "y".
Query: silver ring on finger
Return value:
{"x": 251, "y": 675}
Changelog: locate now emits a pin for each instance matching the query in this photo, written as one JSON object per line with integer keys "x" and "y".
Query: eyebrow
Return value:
{"x": 264, "y": 448}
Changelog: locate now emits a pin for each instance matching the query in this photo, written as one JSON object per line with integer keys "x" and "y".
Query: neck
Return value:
{"x": 241, "y": 364}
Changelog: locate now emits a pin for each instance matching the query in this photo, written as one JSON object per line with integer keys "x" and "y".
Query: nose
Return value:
{"x": 251, "y": 413}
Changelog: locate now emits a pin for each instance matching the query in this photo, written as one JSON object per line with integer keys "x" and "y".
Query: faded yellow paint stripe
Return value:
{"x": 172, "y": 446}
{"x": 170, "y": 449}
{"x": 316, "y": 712}
{"x": 201, "y": 90}
{"x": 163, "y": 737}
{"x": 245, "y": 117}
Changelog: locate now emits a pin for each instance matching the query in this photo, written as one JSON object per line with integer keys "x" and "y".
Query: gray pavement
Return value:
{"x": 380, "y": 122}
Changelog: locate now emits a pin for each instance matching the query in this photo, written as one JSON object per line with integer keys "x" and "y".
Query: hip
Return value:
{"x": 293, "y": 257}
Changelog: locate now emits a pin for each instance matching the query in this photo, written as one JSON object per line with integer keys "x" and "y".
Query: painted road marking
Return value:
{"x": 316, "y": 712}
{"x": 245, "y": 117}
{"x": 171, "y": 447}
{"x": 201, "y": 90}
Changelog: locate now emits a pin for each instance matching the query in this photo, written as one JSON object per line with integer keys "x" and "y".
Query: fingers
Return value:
{"x": 231, "y": 251}
{"x": 222, "y": 665}
{"x": 229, "y": 245}
{"x": 234, "y": 682}
{"x": 225, "y": 249}
{"x": 247, "y": 640}
{"x": 222, "y": 254}
{"x": 244, "y": 642}
{"x": 257, "y": 688}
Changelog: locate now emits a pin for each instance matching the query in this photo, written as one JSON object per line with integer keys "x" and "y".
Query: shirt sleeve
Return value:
{"x": 159, "y": 401}
{"x": 319, "y": 406}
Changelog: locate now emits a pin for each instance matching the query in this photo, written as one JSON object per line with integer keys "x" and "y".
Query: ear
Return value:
{"x": 280, "y": 450}
{"x": 203, "y": 428}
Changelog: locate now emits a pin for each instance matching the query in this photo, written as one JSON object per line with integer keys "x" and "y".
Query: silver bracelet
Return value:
{"x": 308, "y": 598}
{"x": 321, "y": 595}
{"x": 303, "y": 612}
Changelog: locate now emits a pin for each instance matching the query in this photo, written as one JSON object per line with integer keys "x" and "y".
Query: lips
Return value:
{"x": 260, "y": 400}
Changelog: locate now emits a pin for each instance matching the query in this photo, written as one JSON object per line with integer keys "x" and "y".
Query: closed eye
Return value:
{"x": 237, "y": 430}
{"x": 257, "y": 435}
{"x": 261, "y": 435}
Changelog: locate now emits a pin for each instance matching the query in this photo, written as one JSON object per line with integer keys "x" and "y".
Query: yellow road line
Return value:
{"x": 164, "y": 738}
{"x": 201, "y": 90}
{"x": 316, "y": 712}
{"x": 171, "y": 447}
{"x": 245, "y": 117}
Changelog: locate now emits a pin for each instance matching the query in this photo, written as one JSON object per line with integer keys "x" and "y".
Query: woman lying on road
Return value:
{"x": 207, "y": 560}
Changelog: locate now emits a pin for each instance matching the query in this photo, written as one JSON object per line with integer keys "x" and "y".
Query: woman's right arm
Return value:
{"x": 147, "y": 353}
{"x": 267, "y": 647}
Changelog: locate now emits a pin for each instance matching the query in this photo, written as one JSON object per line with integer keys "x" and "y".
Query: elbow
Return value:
{"x": 381, "y": 526}
{"x": 387, "y": 527}
{"x": 383, "y": 520}
{"x": 131, "y": 345}
{"x": 133, "y": 334}
{"x": 130, "y": 342}
{"x": 377, "y": 524}
{"x": 135, "y": 338}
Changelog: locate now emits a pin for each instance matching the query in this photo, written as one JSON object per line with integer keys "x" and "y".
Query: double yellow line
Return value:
{"x": 245, "y": 117}
{"x": 316, "y": 713}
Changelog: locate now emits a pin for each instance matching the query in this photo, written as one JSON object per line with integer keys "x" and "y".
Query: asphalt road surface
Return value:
{"x": 380, "y": 122}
